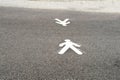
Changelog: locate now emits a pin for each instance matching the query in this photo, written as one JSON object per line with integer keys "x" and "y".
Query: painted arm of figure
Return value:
{"x": 57, "y": 19}
{"x": 76, "y": 45}
{"x": 59, "y": 22}
{"x": 67, "y": 21}
{"x": 61, "y": 45}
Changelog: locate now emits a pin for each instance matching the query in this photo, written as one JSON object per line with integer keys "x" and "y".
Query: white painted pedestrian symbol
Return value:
{"x": 69, "y": 44}
{"x": 63, "y": 23}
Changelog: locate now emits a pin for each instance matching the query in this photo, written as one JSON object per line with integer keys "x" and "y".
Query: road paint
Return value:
{"x": 65, "y": 22}
{"x": 68, "y": 44}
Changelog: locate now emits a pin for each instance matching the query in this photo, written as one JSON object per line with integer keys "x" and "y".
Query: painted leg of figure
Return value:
{"x": 63, "y": 50}
{"x": 76, "y": 50}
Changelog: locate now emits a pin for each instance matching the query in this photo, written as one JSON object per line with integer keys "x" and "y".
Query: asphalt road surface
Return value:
{"x": 29, "y": 40}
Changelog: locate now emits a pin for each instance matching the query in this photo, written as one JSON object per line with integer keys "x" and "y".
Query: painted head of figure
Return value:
{"x": 67, "y": 40}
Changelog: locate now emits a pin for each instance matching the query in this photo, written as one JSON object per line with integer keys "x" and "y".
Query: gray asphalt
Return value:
{"x": 29, "y": 40}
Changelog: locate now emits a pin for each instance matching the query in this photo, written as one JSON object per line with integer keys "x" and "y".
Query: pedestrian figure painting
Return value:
{"x": 63, "y": 23}
{"x": 68, "y": 44}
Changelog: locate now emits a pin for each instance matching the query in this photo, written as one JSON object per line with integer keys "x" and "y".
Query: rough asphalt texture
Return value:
{"x": 29, "y": 40}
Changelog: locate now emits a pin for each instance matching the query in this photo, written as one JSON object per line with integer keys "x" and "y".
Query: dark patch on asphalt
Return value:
{"x": 117, "y": 63}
